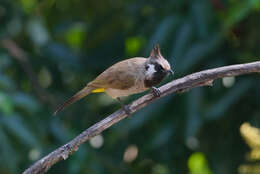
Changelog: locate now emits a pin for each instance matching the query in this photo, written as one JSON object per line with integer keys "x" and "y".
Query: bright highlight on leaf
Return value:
{"x": 6, "y": 105}
{"x": 198, "y": 164}
{"x": 75, "y": 35}
{"x": 251, "y": 136}
{"x": 228, "y": 81}
{"x": 133, "y": 45}
{"x": 131, "y": 153}
{"x": 160, "y": 169}
{"x": 97, "y": 141}
{"x": 28, "y": 5}
{"x": 34, "y": 154}
{"x": 45, "y": 78}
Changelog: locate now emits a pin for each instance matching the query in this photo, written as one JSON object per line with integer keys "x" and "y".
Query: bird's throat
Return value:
{"x": 155, "y": 79}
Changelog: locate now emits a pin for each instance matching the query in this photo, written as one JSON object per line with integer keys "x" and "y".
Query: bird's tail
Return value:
{"x": 82, "y": 93}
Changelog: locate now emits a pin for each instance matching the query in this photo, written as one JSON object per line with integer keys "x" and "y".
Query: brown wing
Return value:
{"x": 121, "y": 75}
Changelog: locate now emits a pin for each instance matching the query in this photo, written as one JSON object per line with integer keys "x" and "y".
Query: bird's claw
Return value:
{"x": 127, "y": 110}
{"x": 156, "y": 92}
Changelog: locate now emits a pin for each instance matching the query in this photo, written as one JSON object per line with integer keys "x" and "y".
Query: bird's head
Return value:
{"x": 156, "y": 67}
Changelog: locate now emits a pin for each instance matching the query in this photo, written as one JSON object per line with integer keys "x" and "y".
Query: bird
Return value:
{"x": 127, "y": 77}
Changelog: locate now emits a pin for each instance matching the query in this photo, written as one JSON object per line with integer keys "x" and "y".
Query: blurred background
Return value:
{"x": 50, "y": 49}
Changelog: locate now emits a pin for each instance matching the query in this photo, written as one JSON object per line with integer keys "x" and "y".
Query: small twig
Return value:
{"x": 202, "y": 78}
{"x": 20, "y": 56}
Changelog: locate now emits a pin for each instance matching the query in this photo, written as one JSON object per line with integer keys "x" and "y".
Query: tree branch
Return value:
{"x": 203, "y": 78}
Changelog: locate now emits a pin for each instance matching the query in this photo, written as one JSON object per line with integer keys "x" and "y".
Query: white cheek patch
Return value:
{"x": 150, "y": 71}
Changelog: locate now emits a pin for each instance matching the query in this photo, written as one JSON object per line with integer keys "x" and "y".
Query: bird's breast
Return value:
{"x": 156, "y": 78}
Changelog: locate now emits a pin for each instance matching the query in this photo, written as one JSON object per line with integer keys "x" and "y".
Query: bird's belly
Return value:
{"x": 114, "y": 93}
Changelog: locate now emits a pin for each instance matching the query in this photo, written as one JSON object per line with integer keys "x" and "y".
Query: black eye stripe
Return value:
{"x": 158, "y": 67}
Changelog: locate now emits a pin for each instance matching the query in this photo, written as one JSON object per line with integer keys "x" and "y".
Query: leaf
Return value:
{"x": 16, "y": 126}
{"x": 163, "y": 30}
{"x": 239, "y": 10}
{"x": 194, "y": 117}
{"x": 199, "y": 14}
{"x": 133, "y": 45}
{"x": 5, "y": 61}
{"x": 25, "y": 101}
{"x": 28, "y": 5}
{"x": 197, "y": 163}
{"x": 183, "y": 38}
{"x": 62, "y": 55}
{"x": 7, "y": 151}
{"x": 6, "y": 105}
{"x": 59, "y": 131}
{"x": 162, "y": 136}
{"x": 6, "y": 82}
{"x": 199, "y": 51}
{"x": 218, "y": 109}
{"x": 75, "y": 35}
{"x": 140, "y": 118}
{"x": 37, "y": 30}
{"x": 160, "y": 169}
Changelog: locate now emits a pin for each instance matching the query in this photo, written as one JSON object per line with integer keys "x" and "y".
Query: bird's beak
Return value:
{"x": 171, "y": 72}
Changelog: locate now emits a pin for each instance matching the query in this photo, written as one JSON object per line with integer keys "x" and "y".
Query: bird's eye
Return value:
{"x": 146, "y": 67}
{"x": 159, "y": 67}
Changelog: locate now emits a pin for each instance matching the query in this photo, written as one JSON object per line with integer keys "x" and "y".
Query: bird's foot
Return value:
{"x": 156, "y": 92}
{"x": 127, "y": 110}
{"x": 124, "y": 107}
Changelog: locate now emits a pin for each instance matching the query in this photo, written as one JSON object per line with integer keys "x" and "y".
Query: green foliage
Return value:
{"x": 197, "y": 163}
{"x": 67, "y": 43}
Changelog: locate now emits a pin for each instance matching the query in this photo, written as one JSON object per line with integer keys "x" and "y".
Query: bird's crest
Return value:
{"x": 156, "y": 53}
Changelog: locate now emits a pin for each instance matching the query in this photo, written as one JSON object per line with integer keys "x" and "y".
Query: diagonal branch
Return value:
{"x": 203, "y": 78}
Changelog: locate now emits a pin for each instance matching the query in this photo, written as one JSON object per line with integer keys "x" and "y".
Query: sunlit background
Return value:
{"x": 50, "y": 49}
